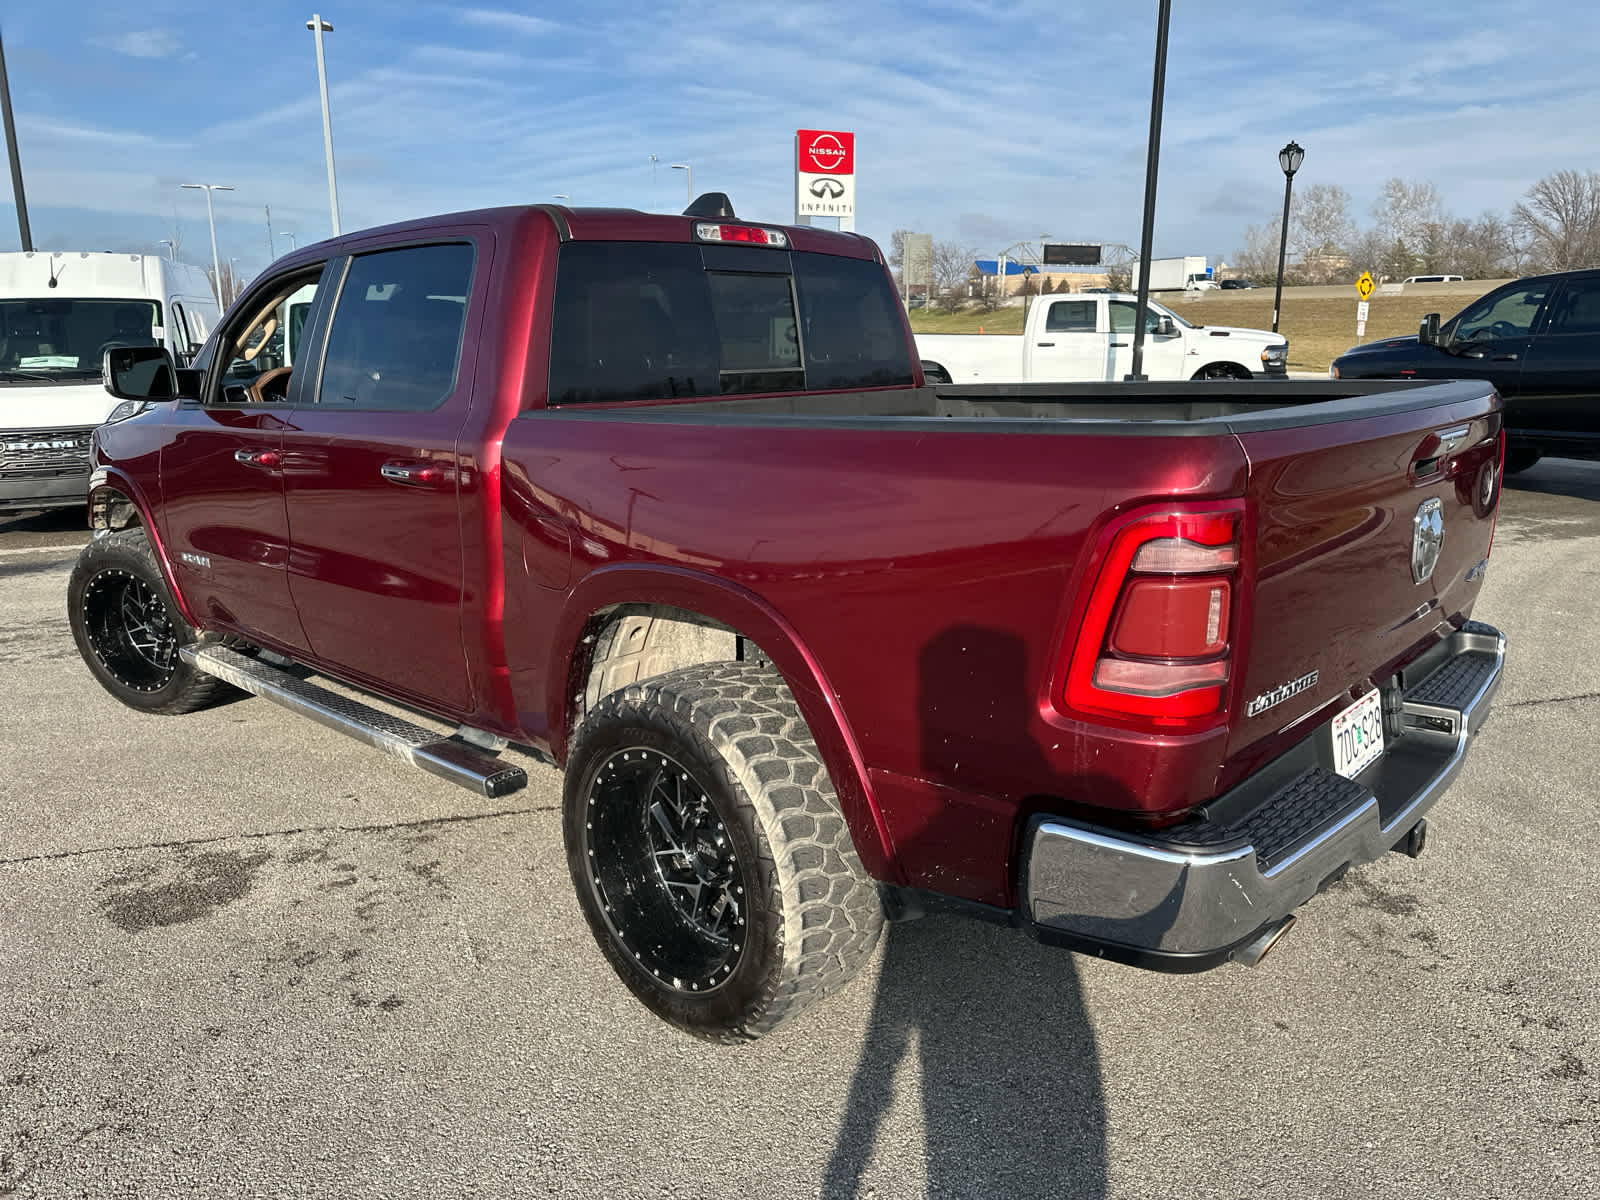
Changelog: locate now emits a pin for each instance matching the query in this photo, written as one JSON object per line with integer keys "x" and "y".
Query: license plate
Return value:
{"x": 1358, "y": 735}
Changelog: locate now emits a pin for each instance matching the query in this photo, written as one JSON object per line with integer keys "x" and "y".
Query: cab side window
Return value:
{"x": 1070, "y": 316}
{"x": 256, "y": 348}
{"x": 1123, "y": 320}
{"x": 1578, "y": 309}
{"x": 1505, "y": 314}
{"x": 395, "y": 341}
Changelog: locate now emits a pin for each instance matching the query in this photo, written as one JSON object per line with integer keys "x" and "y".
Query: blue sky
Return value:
{"x": 981, "y": 122}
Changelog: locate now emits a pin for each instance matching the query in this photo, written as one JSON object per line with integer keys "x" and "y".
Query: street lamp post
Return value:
{"x": 688, "y": 190}
{"x": 172, "y": 254}
{"x": 1289, "y": 158}
{"x": 290, "y": 236}
{"x": 319, "y": 27}
{"x": 11, "y": 153}
{"x": 211, "y": 219}
{"x": 1158, "y": 88}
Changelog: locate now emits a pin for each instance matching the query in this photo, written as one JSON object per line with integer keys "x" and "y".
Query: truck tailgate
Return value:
{"x": 1339, "y": 509}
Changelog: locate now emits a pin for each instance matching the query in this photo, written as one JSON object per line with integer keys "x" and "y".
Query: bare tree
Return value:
{"x": 1319, "y": 222}
{"x": 1404, "y": 210}
{"x": 1257, "y": 259}
{"x": 1366, "y": 250}
{"x": 897, "y": 249}
{"x": 951, "y": 265}
{"x": 176, "y": 230}
{"x": 1561, "y": 219}
{"x": 231, "y": 285}
{"x": 1485, "y": 248}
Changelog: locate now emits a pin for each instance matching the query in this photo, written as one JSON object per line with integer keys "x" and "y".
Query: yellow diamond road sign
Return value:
{"x": 1364, "y": 285}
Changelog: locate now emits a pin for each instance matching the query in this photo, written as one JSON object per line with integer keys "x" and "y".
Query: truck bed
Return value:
{"x": 1198, "y": 408}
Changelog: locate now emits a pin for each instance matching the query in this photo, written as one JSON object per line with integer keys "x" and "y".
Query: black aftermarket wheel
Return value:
{"x": 129, "y": 630}
{"x": 709, "y": 854}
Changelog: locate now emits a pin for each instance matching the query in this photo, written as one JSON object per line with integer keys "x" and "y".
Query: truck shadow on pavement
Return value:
{"x": 1005, "y": 1055}
{"x": 1006, "y": 1063}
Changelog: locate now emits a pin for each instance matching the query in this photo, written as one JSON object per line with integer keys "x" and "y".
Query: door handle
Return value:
{"x": 1119, "y": 343}
{"x": 1045, "y": 343}
{"x": 414, "y": 474}
{"x": 269, "y": 460}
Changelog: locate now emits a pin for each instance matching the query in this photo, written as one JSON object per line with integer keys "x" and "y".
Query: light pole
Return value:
{"x": 290, "y": 236}
{"x": 1289, "y": 158}
{"x": 319, "y": 27}
{"x": 1158, "y": 89}
{"x": 688, "y": 180}
{"x": 11, "y": 153}
{"x": 562, "y": 196}
{"x": 172, "y": 254}
{"x": 211, "y": 219}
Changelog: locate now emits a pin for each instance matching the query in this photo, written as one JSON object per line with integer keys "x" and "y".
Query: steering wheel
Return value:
{"x": 1498, "y": 329}
{"x": 268, "y": 328}
{"x": 270, "y": 387}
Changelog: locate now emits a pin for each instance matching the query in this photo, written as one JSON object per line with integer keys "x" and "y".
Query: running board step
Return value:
{"x": 448, "y": 758}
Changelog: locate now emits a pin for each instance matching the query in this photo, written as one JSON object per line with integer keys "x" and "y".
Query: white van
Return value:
{"x": 59, "y": 312}
{"x": 1431, "y": 279}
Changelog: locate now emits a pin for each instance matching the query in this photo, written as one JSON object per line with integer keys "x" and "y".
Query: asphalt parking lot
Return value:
{"x": 243, "y": 956}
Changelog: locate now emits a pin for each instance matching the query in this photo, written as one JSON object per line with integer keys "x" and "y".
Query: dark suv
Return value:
{"x": 1537, "y": 340}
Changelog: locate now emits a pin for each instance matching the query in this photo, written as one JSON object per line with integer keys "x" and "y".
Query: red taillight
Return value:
{"x": 1156, "y": 639}
{"x": 1173, "y": 618}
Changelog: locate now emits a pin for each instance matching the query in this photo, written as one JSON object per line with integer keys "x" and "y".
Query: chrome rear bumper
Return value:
{"x": 1187, "y": 898}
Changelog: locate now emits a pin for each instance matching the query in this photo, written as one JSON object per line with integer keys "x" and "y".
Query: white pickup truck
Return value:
{"x": 1083, "y": 338}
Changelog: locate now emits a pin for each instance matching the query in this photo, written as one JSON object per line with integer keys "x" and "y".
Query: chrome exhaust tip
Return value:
{"x": 1254, "y": 951}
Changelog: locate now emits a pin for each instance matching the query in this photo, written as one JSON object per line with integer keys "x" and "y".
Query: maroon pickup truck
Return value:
{"x": 1138, "y": 668}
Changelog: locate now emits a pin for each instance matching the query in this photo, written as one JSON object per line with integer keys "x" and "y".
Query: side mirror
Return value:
{"x": 1165, "y": 327}
{"x": 139, "y": 373}
{"x": 1428, "y": 331}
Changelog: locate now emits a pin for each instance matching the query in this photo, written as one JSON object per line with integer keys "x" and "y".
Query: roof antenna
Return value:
{"x": 712, "y": 204}
{"x": 54, "y": 274}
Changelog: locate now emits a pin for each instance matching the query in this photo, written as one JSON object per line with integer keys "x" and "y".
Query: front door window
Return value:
{"x": 256, "y": 349}
{"x": 1506, "y": 314}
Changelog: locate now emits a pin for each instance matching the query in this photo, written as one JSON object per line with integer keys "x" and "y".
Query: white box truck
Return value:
{"x": 59, "y": 313}
{"x": 1172, "y": 274}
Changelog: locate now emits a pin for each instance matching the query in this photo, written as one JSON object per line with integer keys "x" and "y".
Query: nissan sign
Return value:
{"x": 825, "y": 175}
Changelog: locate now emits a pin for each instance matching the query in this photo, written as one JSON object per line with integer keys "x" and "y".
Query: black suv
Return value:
{"x": 1537, "y": 340}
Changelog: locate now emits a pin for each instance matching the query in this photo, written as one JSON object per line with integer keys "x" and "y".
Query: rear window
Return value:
{"x": 650, "y": 321}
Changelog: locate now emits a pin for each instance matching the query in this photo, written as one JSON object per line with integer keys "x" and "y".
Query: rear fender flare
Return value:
{"x": 753, "y": 618}
{"x": 106, "y": 481}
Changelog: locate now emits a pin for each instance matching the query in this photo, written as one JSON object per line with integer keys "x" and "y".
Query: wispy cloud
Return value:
{"x": 511, "y": 22}
{"x": 141, "y": 43}
{"x": 45, "y": 127}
